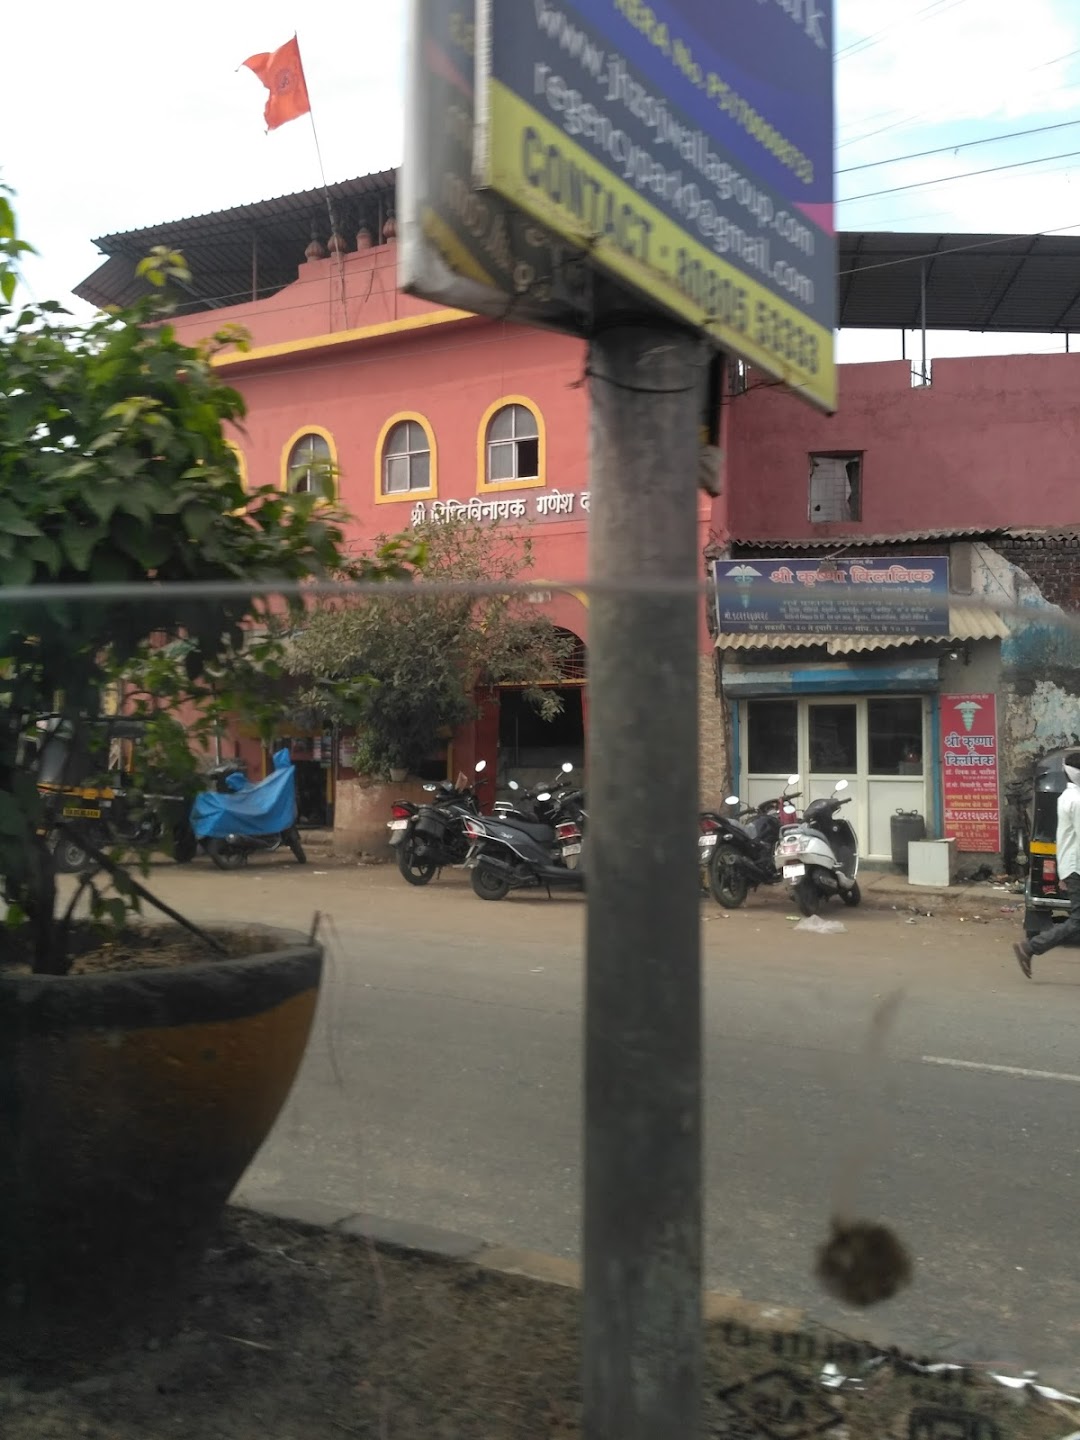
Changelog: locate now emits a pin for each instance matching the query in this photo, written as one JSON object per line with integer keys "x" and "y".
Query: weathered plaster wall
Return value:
{"x": 1039, "y": 695}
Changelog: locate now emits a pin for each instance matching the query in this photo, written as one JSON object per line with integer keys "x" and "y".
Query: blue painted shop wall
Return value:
{"x": 913, "y": 677}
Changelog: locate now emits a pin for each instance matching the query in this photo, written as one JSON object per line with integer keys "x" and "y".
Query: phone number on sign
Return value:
{"x": 759, "y": 321}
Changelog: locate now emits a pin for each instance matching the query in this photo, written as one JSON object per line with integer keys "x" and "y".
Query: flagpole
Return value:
{"x": 322, "y": 176}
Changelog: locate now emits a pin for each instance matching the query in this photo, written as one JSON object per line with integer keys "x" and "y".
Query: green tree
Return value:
{"x": 115, "y": 472}
{"x": 405, "y": 670}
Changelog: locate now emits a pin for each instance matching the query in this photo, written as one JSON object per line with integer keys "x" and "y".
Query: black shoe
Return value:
{"x": 1023, "y": 953}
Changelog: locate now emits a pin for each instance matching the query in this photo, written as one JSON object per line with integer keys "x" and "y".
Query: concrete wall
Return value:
{"x": 713, "y": 744}
{"x": 362, "y": 810}
{"x": 991, "y": 443}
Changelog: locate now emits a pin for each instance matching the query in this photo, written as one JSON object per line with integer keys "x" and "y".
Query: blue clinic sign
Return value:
{"x": 687, "y": 147}
{"x": 882, "y": 595}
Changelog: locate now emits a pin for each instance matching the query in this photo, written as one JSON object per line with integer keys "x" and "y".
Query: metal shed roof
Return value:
{"x": 226, "y": 248}
{"x": 973, "y": 282}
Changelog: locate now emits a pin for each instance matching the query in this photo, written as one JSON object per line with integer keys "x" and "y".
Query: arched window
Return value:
{"x": 309, "y": 464}
{"x": 512, "y": 445}
{"x": 406, "y": 458}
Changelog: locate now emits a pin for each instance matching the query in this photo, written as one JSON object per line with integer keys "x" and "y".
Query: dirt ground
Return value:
{"x": 298, "y": 1334}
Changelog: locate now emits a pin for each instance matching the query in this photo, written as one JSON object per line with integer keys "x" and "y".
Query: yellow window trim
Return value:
{"x": 407, "y": 497}
{"x": 287, "y": 449}
{"x": 241, "y": 462}
{"x": 342, "y": 337}
{"x": 558, "y": 585}
{"x": 483, "y": 484}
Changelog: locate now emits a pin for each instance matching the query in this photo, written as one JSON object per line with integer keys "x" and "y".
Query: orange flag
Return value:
{"x": 282, "y": 72}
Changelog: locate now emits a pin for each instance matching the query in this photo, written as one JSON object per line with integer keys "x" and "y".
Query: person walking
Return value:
{"x": 1068, "y": 870}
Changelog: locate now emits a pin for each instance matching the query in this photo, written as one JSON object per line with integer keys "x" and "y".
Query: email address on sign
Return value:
{"x": 639, "y": 167}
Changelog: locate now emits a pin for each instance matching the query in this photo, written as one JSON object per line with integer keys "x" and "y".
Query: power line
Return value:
{"x": 967, "y": 175}
{"x": 961, "y": 145}
{"x": 867, "y": 42}
{"x": 921, "y": 114}
{"x": 956, "y": 249}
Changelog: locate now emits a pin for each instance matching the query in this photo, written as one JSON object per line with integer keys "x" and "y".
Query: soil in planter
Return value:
{"x": 139, "y": 947}
{"x": 297, "y": 1334}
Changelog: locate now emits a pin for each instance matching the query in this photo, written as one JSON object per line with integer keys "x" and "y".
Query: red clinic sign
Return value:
{"x": 969, "y": 769}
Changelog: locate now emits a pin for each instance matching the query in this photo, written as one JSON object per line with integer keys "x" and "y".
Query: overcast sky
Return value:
{"x": 118, "y": 115}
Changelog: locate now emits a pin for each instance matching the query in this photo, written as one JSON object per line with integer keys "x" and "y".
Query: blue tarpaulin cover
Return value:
{"x": 265, "y": 808}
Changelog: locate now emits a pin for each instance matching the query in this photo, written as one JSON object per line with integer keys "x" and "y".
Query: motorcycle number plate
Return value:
{"x": 571, "y": 849}
{"x": 398, "y": 825}
{"x": 74, "y": 812}
{"x": 706, "y": 842}
{"x": 794, "y": 872}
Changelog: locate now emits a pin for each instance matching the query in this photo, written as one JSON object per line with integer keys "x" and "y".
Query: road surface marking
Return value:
{"x": 1000, "y": 1069}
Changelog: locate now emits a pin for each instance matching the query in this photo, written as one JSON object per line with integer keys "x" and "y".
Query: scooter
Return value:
{"x": 509, "y": 852}
{"x": 237, "y": 819}
{"x": 428, "y": 837}
{"x": 820, "y": 855}
{"x": 736, "y": 856}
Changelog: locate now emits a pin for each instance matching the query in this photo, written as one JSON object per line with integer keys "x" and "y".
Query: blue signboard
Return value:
{"x": 879, "y": 595}
{"x": 687, "y": 147}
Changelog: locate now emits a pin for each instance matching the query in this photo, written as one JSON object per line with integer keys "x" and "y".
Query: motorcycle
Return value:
{"x": 428, "y": 837}
{"x": 511, "y": 852}
{"x": 820, "y": 855}
{"x": 237, "y": 819}
{"x": 736, "y": 855}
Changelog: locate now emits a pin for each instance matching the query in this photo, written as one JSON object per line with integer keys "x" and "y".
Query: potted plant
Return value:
{"x": 131, "y": 1100}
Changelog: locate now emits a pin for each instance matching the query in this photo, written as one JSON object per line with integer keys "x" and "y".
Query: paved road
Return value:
{"x": 443, "y": 1087}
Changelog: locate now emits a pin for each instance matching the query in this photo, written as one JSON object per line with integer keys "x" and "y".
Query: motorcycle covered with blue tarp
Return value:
{"x": 240, "y": 817}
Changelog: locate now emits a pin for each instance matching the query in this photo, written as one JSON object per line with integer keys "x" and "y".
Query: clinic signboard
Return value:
{"x": 684, "y": 147}
{"x": 969, "y": 772}
{"x": 885, "y": 595}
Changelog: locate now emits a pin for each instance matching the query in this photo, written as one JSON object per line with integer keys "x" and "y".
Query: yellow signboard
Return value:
{"x": 546, "y": 174}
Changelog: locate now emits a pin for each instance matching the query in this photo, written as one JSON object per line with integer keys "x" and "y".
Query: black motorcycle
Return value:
{"x": 512, "y": 852}
{"x": 738, "y": 850}
{"x": 428, "y": 837}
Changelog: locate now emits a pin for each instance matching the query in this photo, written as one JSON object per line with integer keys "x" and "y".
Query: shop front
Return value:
{"x": 814, "y": 722}
{"x": 837, "y": 668}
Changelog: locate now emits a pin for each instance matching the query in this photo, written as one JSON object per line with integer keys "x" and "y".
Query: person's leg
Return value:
{"x": 1059, "y": 934}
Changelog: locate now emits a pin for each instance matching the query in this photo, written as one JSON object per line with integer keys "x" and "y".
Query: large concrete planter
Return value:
{"x": 130, "y": 1105}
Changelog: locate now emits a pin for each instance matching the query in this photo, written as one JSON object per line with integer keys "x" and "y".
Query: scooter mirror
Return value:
{"x": 513, "y": 785}
{"x": 733, "y": 800}
{"x": 566, "y": 767}
{"x": 793, "y": 779}
{"x": 544, "y": 795}
{"x": 840, "y": 785}
{"x": 480, "y": 766}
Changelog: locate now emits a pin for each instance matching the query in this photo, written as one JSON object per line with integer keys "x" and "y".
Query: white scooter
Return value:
{"x": 820, "y": 855}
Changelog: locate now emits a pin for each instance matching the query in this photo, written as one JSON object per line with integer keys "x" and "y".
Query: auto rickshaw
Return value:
{"x": 76, "y": 782}
{"x": 1044, "y": 900}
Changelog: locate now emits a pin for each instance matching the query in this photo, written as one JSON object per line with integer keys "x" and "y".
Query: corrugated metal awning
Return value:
{"x": 968, "y": 622}
{"x": 841, "y": 543}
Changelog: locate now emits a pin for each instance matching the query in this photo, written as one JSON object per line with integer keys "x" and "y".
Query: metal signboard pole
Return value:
{"x": 642, "y": 1333}
{"x": 657, "y": 180}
